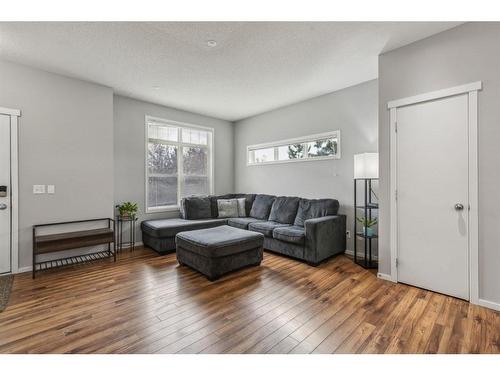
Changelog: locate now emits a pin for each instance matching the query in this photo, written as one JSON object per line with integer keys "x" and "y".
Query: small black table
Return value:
{"x": 131, "y": 220}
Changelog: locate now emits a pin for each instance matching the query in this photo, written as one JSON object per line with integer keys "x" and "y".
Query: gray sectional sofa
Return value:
{"x": 305, "y": 229}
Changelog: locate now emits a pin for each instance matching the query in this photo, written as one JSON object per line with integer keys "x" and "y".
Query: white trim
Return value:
{"x": 473, "y": 199}
{"x": 160, "y": 120}
{"x": 393, "y": 206}
{"x": 14, "y": 191}
{"x": 137, "y": 244}
{"x": 473, "y": 262}
{"x": 304, "y": 139}
{"x": 439, "y": 94}
{"x": 153, "y": 210}
{"x": 488, "y": 304}
{"x": 14, "y": 186}
{"x": 10, "y": 111}
{"x": 360, "y": 254}
{"x": 24, "y": 269}
{"x": 317, "y": 158}
{"x": 210, "y": 146}
{"x": 386, "y": 277}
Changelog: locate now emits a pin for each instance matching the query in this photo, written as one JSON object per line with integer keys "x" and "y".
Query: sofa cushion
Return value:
{"x": 284, "y": 210}
{"x": 227, "y": 208}
{"x": 241, "y": 222}
{"x": 193, "y": 208}
{"x": 291, "y": 234}
{"x": 312, "y": 208}
{"x": 262, "y": 206}
{"x": 170, "y": 227}
{"x": 265, "y": 227}
{"x": 286, "y": 248}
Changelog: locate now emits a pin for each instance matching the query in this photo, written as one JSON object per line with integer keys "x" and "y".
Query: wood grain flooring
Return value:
{"x": 145, "y": 303}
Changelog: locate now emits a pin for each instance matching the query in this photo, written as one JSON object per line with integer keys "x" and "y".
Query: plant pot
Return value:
{"x": 369, "y": 232}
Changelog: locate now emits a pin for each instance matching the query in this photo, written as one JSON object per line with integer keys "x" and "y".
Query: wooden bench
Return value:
{"x": 50, "y": 243}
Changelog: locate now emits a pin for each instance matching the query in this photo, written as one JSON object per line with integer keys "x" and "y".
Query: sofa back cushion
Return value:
{"x": 261, "y": 206}
{"x": 248, "y": 202}
{"x": 284, "y": 210}
{"x": 312, "y": 208}
{"x": 193, "y": 208}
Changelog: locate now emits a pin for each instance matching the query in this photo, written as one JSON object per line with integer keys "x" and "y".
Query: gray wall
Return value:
{"x": 65, "y": 139}
{"x": 467, "y": 53}
{"x": 352, "y": 110}
{"x": 129, "y": 144}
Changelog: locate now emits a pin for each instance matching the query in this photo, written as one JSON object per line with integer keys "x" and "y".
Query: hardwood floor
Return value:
{"x": 146, "y": 303}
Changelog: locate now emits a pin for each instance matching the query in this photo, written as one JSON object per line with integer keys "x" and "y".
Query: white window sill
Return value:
{"x": 154, "y": 210}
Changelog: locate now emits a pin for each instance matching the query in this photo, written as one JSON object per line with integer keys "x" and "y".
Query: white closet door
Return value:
{"x": 432, "y": 195}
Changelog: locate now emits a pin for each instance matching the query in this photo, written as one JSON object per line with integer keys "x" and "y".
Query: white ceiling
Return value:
{"x": 255, "y": 67}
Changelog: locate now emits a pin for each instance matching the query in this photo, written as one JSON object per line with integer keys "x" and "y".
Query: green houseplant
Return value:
{"x": 127, "y": 209}
{"x": 367, "y": 225}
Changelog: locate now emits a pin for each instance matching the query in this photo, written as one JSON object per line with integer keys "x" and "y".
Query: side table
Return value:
{"x": 130, "y": 221}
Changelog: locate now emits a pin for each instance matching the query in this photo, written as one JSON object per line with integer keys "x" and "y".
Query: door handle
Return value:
{"x": 3, "y": 206}
{"x": 459, "y": 206}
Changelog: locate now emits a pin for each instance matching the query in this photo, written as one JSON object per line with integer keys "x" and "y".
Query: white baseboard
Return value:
{"x": 360, "y": 254}
{"x": 24, "y": 269}
{"x": 489, "y": 304}
{"x": 385, "y": 276}
{"x": 136, "y": 245}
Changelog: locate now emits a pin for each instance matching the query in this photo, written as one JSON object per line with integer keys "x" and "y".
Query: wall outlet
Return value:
{"x": 51, "y": 189}
{"x": 38, "y": 189}
{"x": 348, "y": 233}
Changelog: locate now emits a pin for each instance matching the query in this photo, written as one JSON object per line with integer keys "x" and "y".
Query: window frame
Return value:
{"x": 180, "y": 171}
{"x": 301, "y": 140}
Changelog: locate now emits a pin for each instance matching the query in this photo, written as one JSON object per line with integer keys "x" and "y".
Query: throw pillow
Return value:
{"x": 227, "y": 208}
{"x": 241, "y": 207}
{"x": 284, "y": 210}
{"x": 262, "y": 206}
{"x": 196, "y": 207}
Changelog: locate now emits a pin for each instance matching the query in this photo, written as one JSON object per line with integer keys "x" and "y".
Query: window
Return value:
{"x": 314, "y": 147}
{"x": 178, "y": 163}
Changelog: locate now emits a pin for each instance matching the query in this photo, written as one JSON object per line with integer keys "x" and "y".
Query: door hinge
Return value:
{"x": 396, "y": 126}
{"x": 397, "y": 262}
{"x": 395, "y": 194}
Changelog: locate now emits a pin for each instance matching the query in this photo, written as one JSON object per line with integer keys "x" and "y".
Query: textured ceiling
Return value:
{"x": 255, "y": 67}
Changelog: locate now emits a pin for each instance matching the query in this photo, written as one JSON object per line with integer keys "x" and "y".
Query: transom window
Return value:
{"x": 313, "y": 147}
{"x": 178, "y": 163}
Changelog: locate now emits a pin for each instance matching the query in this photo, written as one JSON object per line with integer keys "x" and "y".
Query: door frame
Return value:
{"x": 473, "y": 241}
{"x": 14, "y": 186}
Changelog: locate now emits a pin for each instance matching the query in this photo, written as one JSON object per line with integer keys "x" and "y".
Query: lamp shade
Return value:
{"x": 366, "y": 165}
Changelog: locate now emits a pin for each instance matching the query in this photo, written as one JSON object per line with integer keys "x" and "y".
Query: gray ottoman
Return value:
{"x": 217, "y": 251}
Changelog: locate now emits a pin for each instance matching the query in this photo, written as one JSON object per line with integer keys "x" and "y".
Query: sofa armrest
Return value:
{"x": 325, "y": 237}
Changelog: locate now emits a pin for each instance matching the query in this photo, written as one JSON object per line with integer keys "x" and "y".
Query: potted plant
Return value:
{"x": 367, "y": 225}
{"x": 127, "y": 209}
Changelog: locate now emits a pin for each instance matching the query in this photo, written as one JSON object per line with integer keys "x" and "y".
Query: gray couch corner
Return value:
{"x": 325, "y": 237}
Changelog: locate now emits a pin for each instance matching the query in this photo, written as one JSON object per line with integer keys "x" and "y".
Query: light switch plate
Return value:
{"x": 51, "y": 189}
{"x": 38, "y": 189}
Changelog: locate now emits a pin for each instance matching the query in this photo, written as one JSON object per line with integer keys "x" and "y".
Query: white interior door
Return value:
{"x": 432, "y": 195}
{"x": 5, "y": 203}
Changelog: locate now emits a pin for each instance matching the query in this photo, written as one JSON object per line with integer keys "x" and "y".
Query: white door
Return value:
{"x": 432, "y": 195}
{"x": 5, "y": 212}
